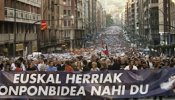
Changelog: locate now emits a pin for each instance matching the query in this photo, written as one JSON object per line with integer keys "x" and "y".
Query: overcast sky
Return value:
{"x": 114, "y": 7}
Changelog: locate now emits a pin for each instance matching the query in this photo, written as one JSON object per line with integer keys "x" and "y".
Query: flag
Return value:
{"x": 105, "y": 51}
{"x": 43, "y": 25}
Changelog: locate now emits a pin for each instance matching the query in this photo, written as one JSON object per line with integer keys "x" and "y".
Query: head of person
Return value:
{"x": 144, "y": 65}
{"x": 104, "y": 65}
{"x": 18, "y": 64}
{"x": 93, "y": 58}
{"x": 85, "y": 62}
{"x": 94, "y": 64}
{"x": 79, "y": 64}
{"x": 7, "y": 67}
{"x": 51, "y": 64}
{"x": 166, "y": 63}
{"x": 131, "y": 63}
{"x": 67, "y": 63}
{"x": 30, "y": 64}
{"x": 108, "y": 61}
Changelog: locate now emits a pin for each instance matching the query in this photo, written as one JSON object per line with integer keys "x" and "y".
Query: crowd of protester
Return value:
{"x": 95, "y": 63}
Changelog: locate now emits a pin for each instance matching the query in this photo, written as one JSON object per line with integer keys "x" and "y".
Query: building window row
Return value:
{"x": 67, "y": 33}
{"x": 173, "y": 23}
{"x": 36, "y": 3}
{"x": 67, "y": 12}
{"x": 9, "y": 12}
{"x": 67, "y": 23}
{"x": 67, "y": 2}
{"x": 8, "y": 27}
{"x": 22, "y": 6}
{"x": 154, "y": 1}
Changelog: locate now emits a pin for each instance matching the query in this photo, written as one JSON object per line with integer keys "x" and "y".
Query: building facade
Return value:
{"x": 126, "y": 14}
{"x": 131, "y": 15}
{"x": 155, "y": 22}
{"x": 65, "y": 25}
{"x": 149, "y": 21}
{"x": 19, "y": 26}
{"x": 172, "y": 24}
{"x": 48, "y": 39}
{"x": 100, "y": 17}
{"x": 172, "y": 14}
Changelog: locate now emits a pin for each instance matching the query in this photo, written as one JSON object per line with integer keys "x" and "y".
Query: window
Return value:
{"x": 69, "y": 12}
{"x": 69, "y": 2}
{"x": 65, "y": 23}
{"x": 8, "y": 3}
{"x": 53, "y": 18}
{"x": 69, "y": 23}
{"x": 5, "y": 12}
{"x": 64, "y": 12}
{"x": 154, "y": 1}
{"x": 52, "y": 7}
{"x": 65, "y": 1}
{"x": 48, "y": 4}
{"x": 78, "y": 14}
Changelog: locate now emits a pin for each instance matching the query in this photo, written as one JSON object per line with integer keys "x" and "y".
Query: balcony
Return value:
{"x": 36, "y": 3}
{"x": 152, "y": 5}
{"x": 29, "y": 37}
{"x": 4, "y": 38}
{"x": 19, "y": 37}
{"x": 146, "y": 27}
{"x": 21, "y": 16}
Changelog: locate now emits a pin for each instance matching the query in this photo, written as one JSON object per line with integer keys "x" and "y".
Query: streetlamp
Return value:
{"x": 71, "y": 35}
{"x": 15, "y": 31}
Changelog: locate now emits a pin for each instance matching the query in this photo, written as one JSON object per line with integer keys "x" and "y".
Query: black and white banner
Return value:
{"x": 76, "y": 85}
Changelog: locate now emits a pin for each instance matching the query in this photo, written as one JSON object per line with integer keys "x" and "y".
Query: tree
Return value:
{"x": 109, "y": 20}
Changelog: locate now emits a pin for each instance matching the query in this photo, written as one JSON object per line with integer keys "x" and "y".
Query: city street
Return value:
{"x": 114, "y": 38}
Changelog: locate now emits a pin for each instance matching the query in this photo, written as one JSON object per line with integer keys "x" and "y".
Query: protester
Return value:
{"x": 131, "y": 66}
{"x": 150, "y": 63}
{"x": 51, "y": 67}
{"x": 78, "y": 66}
{"x": 68, "y": 67}
{"x": 31, "y": 67}
{"x": 104, "y": 66}
{"x": 18, "y": 66}
{"x": 94, "y": 67}
{"x": 42, "y": 66}
{"x": 1, "y": 65}
{"x": 116, "y": 65}
{"x": 94, "y": 59}
{"x": 7, "y": 67}
{"x": 59, "y": 65}
{"x": 85, "y": 66}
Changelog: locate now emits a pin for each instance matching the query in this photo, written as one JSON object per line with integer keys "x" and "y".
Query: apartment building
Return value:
{"x": 172, "y": 14}
{"x": 155, "y": 22}
{"x": 18, "y": 26}
{"x": 103, "y": 19}
{"x": 73, "y": 27}
{"x": 92, "y": 17}
{"x": 132, "y": 16}
{"x": 100, "y": 17}
{"x": 127, "y": 14}
{"x": 141, "y": 19}
{"x": 151, "y": 21}
{"x": 172, "y": 24}
{"x": 49, "y": 39}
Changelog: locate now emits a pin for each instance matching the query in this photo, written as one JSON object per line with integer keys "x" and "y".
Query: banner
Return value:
{"x": 76, "y": 85}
